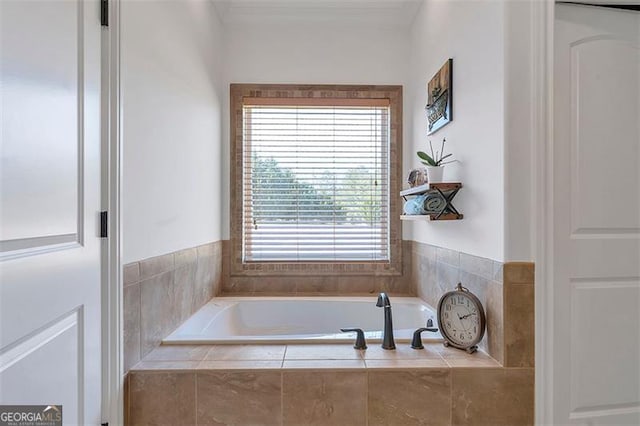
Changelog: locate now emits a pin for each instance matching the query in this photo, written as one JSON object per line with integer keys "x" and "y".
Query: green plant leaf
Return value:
{"x": 426, "y": 159}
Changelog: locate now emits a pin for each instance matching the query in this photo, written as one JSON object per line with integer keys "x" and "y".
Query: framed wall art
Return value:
{"x": 439, "y": 98}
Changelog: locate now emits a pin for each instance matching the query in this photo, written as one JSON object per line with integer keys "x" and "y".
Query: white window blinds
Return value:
{"x": 315, "y": 180}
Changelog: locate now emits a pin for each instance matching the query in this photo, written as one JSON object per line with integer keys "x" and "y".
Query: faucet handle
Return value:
{"x": 360, "y": 342}
{"x": 416, "y": 342}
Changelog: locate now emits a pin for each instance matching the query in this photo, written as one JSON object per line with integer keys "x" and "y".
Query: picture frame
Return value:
{"x": 439, "y": 106}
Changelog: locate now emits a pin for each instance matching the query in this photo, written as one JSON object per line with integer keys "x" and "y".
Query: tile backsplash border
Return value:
{"x": 161, "y": 292}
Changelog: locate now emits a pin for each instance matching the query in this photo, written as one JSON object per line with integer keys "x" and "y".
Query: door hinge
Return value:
{"x": 104, "y": 216}
{"x": 104, "y": 13}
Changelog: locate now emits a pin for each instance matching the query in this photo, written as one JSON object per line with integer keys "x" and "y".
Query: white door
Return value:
{"x": 49, "y": 206}
{"x": 596, "y": 260}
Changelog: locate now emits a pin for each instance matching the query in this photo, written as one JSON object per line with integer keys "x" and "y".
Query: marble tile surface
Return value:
{"x": 355, "y": 285}
{"x": 131, "y": 273}
{"x": 448, "y": 386}
{"x": 330, "y": 351}
{"x": 162, "y": 398}
{"x": 248, "y": 365}
{"x": 409, "y": 397}
{"x": 156, "y": 305}
{"x": 246, "y": 352}
{"x": 453, "y": 353}
{"x": 169, "y": 289}
{"x": 184, "y": 292}
{"x": 450, "y": 257}
{"x": 406, "y": 364}
{"x": 494, "y": 341}
{"x": 323, "y": 364}
{"x": 484, "y": 362}
{"x": 324, "y": 398}
{"x": 239, "y": 398}
{"x": 492, "y": 396}
{"x": 519, "y": 273}
{"x": 178, "y": 353}
{"x": 520, "y": 330}
{"x": 184, "y": 257}
{"x": 131, "y": 326}
{"x": 156, "y": 265}
{"x": 477, "y": 265}
{"x": 151, "y": 366}
{"x": 402, "y": 351}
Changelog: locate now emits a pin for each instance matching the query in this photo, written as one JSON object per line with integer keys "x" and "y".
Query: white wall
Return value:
{"x": 171, "y": 72}
{"x": 176, "y": 112}
{"x": 472, "y": 33}
{"x": 313, "y": 53}
{"x": 520, "y": 150}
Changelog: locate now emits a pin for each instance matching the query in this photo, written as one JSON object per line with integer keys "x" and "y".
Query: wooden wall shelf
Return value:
{"x": 447, "y": 190}
{"x": 429, "y": 217}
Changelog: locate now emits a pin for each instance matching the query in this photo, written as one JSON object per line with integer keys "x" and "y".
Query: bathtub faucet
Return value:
{"x": 387, "y": 337}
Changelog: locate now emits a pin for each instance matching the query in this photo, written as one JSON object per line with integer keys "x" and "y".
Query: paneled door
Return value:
{"x": 596, "y": 175}
{"x": 49, "y": 206}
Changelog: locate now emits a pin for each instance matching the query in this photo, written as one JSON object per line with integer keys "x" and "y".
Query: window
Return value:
{"x": 313, "y": 178}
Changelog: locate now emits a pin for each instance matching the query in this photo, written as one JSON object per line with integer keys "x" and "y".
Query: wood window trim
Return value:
{"x": 357, "y": 95}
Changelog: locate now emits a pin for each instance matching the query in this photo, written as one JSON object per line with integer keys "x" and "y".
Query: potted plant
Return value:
{"x": 435, "y": 162}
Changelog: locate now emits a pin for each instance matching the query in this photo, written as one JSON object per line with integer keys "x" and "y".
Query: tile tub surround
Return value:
{"x": 308, "y": 283}
{"x": 326, "y": 385}
{"x": 161, "y": 292}
{"x": 436, "y": 270}
{"x": 428, "y": 272}
{"x": 519, "y": 302}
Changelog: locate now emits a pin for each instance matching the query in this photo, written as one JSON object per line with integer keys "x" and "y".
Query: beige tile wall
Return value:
{"x": 337, "y": 385}
{"x": 465, "y": 396}
{"x": 309, "y": 284}
{"x": 427, "y": 272}
{"x": 160, "y": 293}
{"x": 436, "y": 270}
{"x": 326, "y": 385}
{"x": 519, "y": 319}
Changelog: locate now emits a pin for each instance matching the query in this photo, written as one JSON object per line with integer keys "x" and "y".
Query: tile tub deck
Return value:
{"x": 325, "y": 384}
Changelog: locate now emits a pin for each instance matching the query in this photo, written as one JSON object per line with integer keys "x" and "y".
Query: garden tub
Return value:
{"x": 282, "y": 320}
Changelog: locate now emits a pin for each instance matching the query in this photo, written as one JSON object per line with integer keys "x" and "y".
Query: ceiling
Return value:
{"x": 387, "y": 13}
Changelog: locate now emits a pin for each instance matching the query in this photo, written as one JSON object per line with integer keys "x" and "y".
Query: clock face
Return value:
{"x": 461, "y": 319}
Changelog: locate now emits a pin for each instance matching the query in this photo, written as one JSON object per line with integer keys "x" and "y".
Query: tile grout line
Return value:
{"x": 450, "y": 397}
{"x": 284, "y": 356}
{"x": 366, "y": 398}
{"x": 282, "y": 395}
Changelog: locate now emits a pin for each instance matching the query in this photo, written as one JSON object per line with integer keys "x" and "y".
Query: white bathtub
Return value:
{"x": 226, "y": 320}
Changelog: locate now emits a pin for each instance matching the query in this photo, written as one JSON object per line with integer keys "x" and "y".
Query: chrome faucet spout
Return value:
{"x": 387, "y": 336}
{"x": 383, "y": 301}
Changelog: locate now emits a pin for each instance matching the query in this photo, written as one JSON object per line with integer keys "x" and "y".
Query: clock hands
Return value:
{"x": 466, "y": 316}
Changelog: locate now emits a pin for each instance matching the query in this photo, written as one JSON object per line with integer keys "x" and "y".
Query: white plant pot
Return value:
{"x": 434, "y": 174}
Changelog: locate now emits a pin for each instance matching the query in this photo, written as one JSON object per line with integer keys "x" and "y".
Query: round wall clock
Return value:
{"x": 461, "y": 318}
